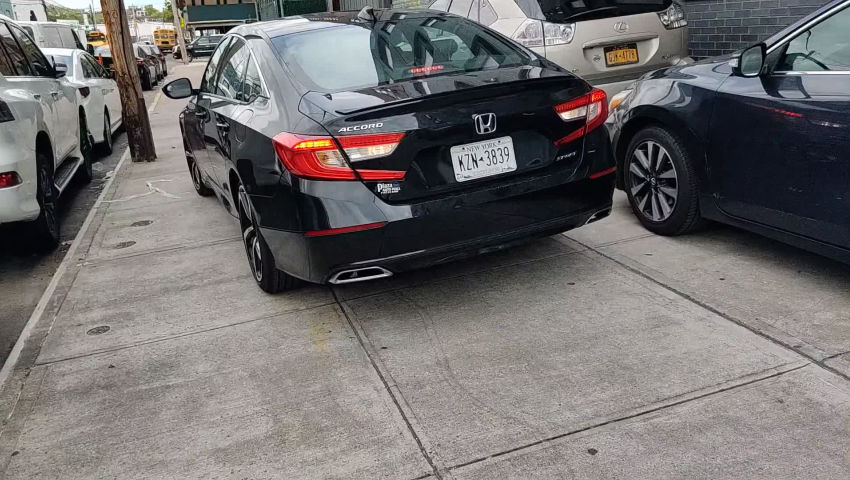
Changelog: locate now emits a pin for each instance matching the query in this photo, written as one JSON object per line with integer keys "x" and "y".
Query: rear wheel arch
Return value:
{"x": 43, "y": 145}
{"x": 649, "y": 117}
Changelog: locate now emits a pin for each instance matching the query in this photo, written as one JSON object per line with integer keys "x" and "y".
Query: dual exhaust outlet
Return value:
{"x": 359, "y": 275}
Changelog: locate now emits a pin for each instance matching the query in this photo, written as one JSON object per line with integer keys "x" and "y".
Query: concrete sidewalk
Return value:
{"x": 157, "y": 357}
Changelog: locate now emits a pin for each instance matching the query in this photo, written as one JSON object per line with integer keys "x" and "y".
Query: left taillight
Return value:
{"x": 9, "y": 179}
{"x": 321, "y": 158}
{"x": 593, "y": 108}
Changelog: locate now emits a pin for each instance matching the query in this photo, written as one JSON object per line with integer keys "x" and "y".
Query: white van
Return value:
{"x": 52, "y": 35}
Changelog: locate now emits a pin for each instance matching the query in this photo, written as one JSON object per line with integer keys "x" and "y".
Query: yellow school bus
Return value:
{"x": 165, "y": 39}
{"x": 96, "y": 39}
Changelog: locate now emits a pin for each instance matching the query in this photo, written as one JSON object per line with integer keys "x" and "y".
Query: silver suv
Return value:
{"x": 609, "y": 43}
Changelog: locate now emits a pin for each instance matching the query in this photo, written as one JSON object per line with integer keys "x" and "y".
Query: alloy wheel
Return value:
{"x": 653, "y": 181}
{"x": 196, "y": 176}
{"x": 250, "y": 237}
{"x": 47, "y": 199}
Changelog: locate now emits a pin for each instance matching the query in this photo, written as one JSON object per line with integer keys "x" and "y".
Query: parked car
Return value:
{"x": 52, "y": 35}
{"x": 423, "y": 137}
{"x": 609, "y": 43}
{"x": 148, "y": 67}
{"x": 203, "y": 46}
{"x": 152, "y": 59}
{"x": 43, "y": 138}
{"x": 759, "y": 139}
{"x": 161, "y": 57}
{"x": 98, "y": 94}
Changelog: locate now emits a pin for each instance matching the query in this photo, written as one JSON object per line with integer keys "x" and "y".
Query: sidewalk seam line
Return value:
{"x": 388, "y": 389}
{"x": 181, "y": 335}
{"x": 712, "y": 309}
{"x": 629, "y": 417}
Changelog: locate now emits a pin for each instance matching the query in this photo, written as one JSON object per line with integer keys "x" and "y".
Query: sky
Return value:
{"x": 86, "y": 3}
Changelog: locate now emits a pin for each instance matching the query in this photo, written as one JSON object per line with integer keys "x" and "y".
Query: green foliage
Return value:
{"x": 56, "y": 12}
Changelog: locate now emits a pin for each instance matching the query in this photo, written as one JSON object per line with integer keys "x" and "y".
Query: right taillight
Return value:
{"x": 673, "y": 17}
{"x": 320, "y": 158}
{"x": 593, "y": 107}
{"x": 9, "y": 179}
{"x": 536, "y": 33}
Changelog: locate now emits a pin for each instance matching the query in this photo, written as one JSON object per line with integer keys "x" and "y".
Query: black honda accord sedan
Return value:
{"x": 759, "y": 139}
{"x": 352, "y": 146}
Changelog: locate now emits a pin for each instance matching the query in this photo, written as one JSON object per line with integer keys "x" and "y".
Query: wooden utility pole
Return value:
{"x": 136, "y": 121}
{"x": 180, "y": 42}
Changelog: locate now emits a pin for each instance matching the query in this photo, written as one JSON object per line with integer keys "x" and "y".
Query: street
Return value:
{"x": 605, "y": 352}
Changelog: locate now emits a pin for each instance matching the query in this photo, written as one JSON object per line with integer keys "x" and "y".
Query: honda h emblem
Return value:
{"x": 484, "y": 123}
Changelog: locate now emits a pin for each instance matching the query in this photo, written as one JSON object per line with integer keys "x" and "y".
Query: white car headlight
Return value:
{"x": 617, "y": 99}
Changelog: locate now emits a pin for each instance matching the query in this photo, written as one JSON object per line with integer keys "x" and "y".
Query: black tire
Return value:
{"x": 106, "y": 146}
{"x": 86, "y": 172}
{"x": 146, "y": 81}
{"x": 663, "y": 190}
{"x": 198, "y": 181}
{"x": 44, "y": 231}
{"x": 260, "y": 258}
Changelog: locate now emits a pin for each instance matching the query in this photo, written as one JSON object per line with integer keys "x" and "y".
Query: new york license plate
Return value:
{"x": 483, "y": 159}
{"x": 621, "y": 55}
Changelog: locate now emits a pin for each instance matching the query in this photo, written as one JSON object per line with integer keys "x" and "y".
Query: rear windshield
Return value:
{"x": 368, "y": 55}
{"x": 559, "y": 11}
{"x": 63, "y": 59}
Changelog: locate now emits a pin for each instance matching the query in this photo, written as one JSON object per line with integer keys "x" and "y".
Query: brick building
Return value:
{"x": 722, "y": 26}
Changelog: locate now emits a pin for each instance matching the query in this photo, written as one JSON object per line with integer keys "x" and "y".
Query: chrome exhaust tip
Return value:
{"x": 359, "y": 275}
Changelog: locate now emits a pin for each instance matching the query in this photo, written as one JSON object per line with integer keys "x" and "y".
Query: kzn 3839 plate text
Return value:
{"x": 483, "y": 159}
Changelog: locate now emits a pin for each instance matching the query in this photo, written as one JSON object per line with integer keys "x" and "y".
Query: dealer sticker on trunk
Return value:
{"x": 483, "y": 159}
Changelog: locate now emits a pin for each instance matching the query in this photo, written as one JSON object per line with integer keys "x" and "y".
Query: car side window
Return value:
{"x": 208, "y": 82}
{"x": 67, "y": 36}
{"x": 824, "y": 47}
{"x": 38, "y": 61}
{"x": 486, "y": 15}
{"x": 229, "y": 84}
{"x": 17, "y": 59}
{"x": 88, "y": 69}
{"x": 461, "y": 7}
{"x": 253, "y": 84}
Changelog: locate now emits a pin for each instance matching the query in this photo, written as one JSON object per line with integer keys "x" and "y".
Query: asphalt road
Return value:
{"x": 23, "y": 274}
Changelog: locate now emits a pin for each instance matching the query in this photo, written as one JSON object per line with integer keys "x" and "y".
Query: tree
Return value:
{"x": 151, "y": 12}
{"x": 167, "y": 13}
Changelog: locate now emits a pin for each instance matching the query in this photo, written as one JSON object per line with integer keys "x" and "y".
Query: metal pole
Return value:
{"x": 181, "y": 44}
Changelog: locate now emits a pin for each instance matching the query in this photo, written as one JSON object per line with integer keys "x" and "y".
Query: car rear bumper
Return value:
{"x": 18, "y": 203}
{"x": 432, "y": 234}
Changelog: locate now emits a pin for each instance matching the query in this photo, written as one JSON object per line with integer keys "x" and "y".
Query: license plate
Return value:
{"x": 483, "y": 159}
{"x": 621, "y": 55}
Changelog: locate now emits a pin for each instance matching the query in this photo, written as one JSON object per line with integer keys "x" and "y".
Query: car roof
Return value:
{"x": 314, "y": 21}
{"x": 69, "y": 52}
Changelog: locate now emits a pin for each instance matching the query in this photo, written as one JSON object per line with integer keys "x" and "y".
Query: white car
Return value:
{"x": 101, "y": 102}
{"x": 43, "y": 142}
{"x": 52, "y": 34}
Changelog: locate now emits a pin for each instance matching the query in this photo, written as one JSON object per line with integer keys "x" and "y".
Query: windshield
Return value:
{"x": 390, "y": 51}
{"x": 557, "y": 11}
{"x": 104, "y": 50}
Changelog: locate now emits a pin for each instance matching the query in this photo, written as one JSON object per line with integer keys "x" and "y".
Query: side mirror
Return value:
{"x": 750, "y": 62}
{"x": 61, "y": 69}
{"x": 180, "y": 88}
